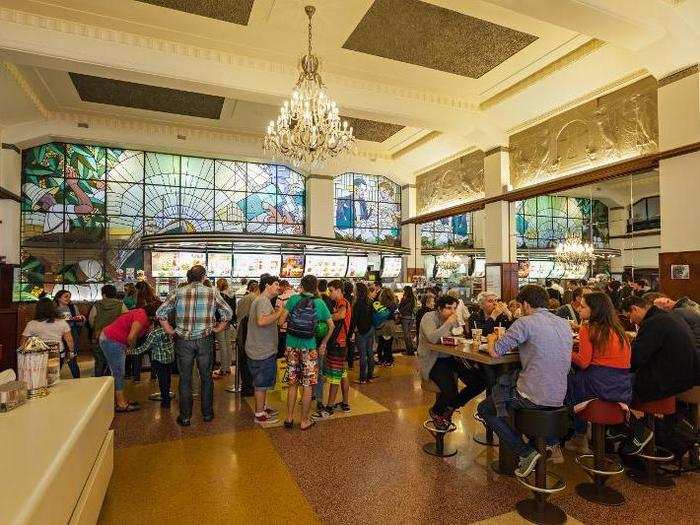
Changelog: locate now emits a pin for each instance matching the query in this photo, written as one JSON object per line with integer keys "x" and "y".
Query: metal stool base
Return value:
{"x": 482, "y": 439}
{"x": 447, "y": 451}
{"x": 658, "y": 480}
{"x": 601, "y": 494}
{"x": 543, "y": 513}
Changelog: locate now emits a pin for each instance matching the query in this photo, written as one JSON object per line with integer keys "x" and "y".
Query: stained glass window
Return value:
{"x": 455, "y": 231}
{"x": 544, "y": 221}
{"x": 367, "y": 209}
{"x": 85, "y": 208}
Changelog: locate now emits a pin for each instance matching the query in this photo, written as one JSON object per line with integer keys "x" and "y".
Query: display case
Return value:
{"x": 326, "y": 266}
{"x": 292, "y": 266}
{"x": 253, "y": 265}
{"x": 357, "y": 266}
{"x": 391, "y": 267}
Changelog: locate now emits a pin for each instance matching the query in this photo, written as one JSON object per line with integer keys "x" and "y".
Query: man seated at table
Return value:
{"x": 492, "y": 313}
{"x": 544, "y": 341}
{"x": 444, "y": 369}
{"x": 664, "y": 362}
{"x": 570, "y": 311}
{"x": 681, "y": 308}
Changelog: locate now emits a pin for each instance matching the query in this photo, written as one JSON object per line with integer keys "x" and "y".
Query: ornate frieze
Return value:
{"x": 608, "y": 129}
{"x": 460, "y": 180}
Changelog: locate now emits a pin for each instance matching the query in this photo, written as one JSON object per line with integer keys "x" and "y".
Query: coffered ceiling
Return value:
{"x": 422, "y": 82}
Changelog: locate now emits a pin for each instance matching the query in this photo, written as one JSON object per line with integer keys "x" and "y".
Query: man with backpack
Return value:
{"x": 101, "y": 314}
{"x": 301, "y": 313}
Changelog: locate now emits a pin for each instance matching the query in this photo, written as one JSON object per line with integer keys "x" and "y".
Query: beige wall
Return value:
{"x": 319, "y": 206}
{"x": 10, "y": 167}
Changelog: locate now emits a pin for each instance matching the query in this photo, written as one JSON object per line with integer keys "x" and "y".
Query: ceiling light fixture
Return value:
{"x": 572, "y": 252}
{"x": 308, "y": 129}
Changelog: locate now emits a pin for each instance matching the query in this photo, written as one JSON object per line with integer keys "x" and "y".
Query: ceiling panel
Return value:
{"x": 141, "y": 96}
{"x": 427, "y": 35}
{"x": 234, "y": 11}
{"x": 372, "y": 130}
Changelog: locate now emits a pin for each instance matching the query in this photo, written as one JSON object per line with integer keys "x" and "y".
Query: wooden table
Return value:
{"x": 498, "y": 366}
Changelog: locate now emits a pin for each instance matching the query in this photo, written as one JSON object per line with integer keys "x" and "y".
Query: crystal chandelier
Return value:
{"x": 308, "y": 129}
{"x": 448, "y": 262}
{"x": 572, "y": 252}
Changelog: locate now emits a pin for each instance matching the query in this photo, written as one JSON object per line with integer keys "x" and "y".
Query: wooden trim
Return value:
{"x": 322, "y": 177}
{"x": 639, "y": 248}
{"x": 8, "y": 195}
{"x": 611, "y": 171}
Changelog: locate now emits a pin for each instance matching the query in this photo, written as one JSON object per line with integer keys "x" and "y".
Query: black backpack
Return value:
{"x": 302, "y": 319}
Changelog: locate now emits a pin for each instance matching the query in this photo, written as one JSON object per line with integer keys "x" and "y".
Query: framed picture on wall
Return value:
{"x": 680, "y": 271}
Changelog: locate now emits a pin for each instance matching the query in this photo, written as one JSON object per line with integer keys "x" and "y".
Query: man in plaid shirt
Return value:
{"x": 195, "y": 306}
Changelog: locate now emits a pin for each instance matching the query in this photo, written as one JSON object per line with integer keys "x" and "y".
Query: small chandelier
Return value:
{"x": 448, "y": 262}
{"x": 572, "y": 252}
{"x": 308, "y": 129}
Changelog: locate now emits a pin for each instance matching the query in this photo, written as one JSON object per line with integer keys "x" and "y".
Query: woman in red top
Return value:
{"x": 602, "y": 363}
{"x": 124, "y": 332}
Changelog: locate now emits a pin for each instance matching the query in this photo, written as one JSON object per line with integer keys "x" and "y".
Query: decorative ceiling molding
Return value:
{"x": 40, "y": 23}
{"x": 431, "y": 36}
{"x": 113, "y": 92}
{"x": 26, "y": 88}
{"x": 567, "y": 60}
{"x": 678, "y": 75}
{"x": 234, "y": 11}
{"x": 620, "y": 83}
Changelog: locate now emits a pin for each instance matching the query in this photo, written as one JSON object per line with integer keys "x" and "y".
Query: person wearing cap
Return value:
{"x": 195, "y": 307}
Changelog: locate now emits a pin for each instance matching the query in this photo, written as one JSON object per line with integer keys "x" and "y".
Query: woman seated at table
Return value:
{"x": 602, "y": 363}
{"x": 444, "y": 369}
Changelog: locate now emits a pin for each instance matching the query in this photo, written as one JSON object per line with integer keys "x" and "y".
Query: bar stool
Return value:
{"x": 436, "y": 448}
{"x": 599, "y": 466}
{"x": 652, "y": 454}
{"x": 539, "y": 425}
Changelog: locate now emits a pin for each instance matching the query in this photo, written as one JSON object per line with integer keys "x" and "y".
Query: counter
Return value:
{"x": 56, "y": 456}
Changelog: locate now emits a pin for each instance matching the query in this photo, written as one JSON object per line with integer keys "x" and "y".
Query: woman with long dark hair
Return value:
{"x": 407, "y": 308}
{"x": 385, "y": 327}
{"x": 364, "y": 332}
{"x": 70, "y": 313}
{"x": 49, "y": 326}
{"x": 602, "y": 363}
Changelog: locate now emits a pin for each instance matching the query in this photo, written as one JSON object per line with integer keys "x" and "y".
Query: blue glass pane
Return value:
{"x": 460, "y": 224}
{"x": 290, "y": 209}
{"x": 260, "y": 207}
{"x": 124, "y": 198}
{"x": 161, "y": 201}
{"x": 124, "y": 165}
{"x": 389, "y": 215}
{"x": 389, "y": 237}
{"x": 289, "y": 182}
{"x": 162, "y": 169}
{"x": 344, "y": 233}
{"x": 197, "y": 209}
{"x": 231, "y": 227}
{"x": 365, "y": 214}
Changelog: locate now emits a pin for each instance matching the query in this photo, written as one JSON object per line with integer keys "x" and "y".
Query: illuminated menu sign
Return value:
{"x": 219, "y": 264}
{"x": 540, "y": 269}
{"x": 292, "y": 266}
{"x": 357, "y": 266}
{"x": 254, "y": 264}
{"x": 326, "y": 265}
{"x": 174, "y": 264}
{"x": 391, "y": 267}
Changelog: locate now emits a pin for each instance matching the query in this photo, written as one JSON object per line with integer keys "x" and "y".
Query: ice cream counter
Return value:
{"x": 56, "y": 454}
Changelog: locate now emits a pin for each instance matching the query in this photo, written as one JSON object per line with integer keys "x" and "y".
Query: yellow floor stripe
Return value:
{"x": 227, "y": 478}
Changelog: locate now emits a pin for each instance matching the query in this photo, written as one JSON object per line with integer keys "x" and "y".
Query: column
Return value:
{"x": 499, "y": 227}
{"x": 319, "y": 206}
{"x": 410, "y": 234}
{"x": 679, "y": 183}
{"x": 10, "y": 187}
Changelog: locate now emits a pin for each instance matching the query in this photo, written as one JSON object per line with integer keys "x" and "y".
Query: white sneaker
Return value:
{"x": 555, "y": 454}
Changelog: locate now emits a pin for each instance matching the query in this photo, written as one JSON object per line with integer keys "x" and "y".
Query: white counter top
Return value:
{"x": 48, "y": 448}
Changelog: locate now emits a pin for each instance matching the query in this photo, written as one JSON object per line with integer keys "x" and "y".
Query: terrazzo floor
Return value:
{"x": 363, "y": 467}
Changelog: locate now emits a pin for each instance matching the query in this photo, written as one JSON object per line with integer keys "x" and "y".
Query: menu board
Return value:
{"x": 558, "y": 271}
{"x": 391, "y": 267}
{"x": 357, "y": 266}
{"x": 540, "y": 269}
{"x": 374, "y": 261}
{"x": 174, "y": 264}
{"x": 479, "y": 267}
{"x": 493, "y": 279}
{"x": 292, "y": 266}
{"x": 326, "y": 265}
{"x": 219, "y": 264}
{"x": 255, "y": 264}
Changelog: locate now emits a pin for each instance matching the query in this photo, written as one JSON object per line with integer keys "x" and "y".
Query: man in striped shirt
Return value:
{"x": 195, "y": 306}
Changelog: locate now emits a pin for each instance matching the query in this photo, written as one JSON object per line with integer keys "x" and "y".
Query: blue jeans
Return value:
{"x": 115, "y": 353}
{"x": 186, "y": 352}
{"x": 364, "y": 344}
{"x": 501, "y": 426}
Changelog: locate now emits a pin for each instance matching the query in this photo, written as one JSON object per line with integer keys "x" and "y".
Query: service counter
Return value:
{"x": 56, "y": 454}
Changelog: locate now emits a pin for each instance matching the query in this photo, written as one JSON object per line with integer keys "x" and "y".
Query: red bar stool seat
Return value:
{"x": 598, "y": 465}
{"x": 653, "y": 454}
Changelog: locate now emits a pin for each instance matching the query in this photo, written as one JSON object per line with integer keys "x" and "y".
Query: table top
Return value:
{"x": 464, "y": 350}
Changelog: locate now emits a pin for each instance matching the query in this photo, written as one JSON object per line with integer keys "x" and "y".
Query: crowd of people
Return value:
{"x": 586, "y": 340}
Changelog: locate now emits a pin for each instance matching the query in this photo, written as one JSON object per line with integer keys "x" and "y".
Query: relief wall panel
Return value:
{"x": 458, "y": 181}
{"x": 611, "y": 128}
